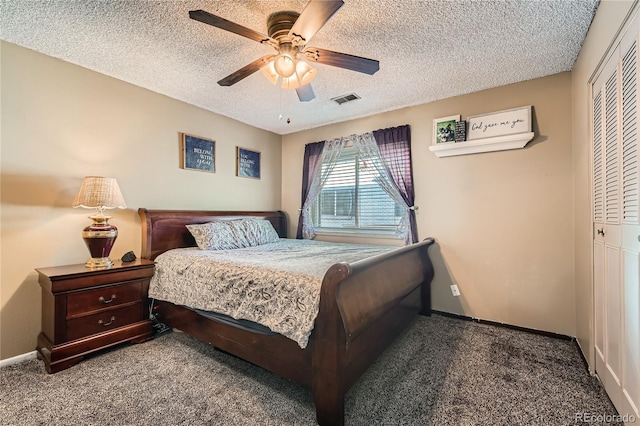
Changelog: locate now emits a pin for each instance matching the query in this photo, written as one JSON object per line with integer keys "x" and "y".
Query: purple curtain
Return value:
{"x": 312, "y": 156}
{"x": 394, "y": 145}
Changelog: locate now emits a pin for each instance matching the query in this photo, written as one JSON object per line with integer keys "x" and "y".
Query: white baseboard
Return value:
{"x": 17, "y": 359}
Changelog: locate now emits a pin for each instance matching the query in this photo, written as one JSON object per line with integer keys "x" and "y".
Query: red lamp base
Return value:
{"x": 99, "y": 238}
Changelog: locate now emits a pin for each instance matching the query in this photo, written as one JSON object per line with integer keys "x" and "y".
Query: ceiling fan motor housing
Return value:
{"x": 279, "y": 24}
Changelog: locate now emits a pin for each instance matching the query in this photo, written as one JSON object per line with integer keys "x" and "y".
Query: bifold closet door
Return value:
{"x": 616, "y": 223}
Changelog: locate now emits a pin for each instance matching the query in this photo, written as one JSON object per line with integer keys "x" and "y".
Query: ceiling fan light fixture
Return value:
{"x": 291, "y": 82}
{"x": 269, "y": 71}
{"x": 285, "y": 65}
{"x": 305, "y": 72}
{"x": 302, "y": 74}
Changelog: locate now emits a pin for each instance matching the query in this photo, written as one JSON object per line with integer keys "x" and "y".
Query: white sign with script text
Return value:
{"x": 501, "y": 123}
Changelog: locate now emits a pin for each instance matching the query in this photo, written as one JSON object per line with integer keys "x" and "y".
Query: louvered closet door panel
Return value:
{"x": 598, "y": 219}
{"x": 605, "y": 190}
{"x": 606, "y": 182}
{"x": 629, "y": 136}
{"x": 598, "y": 169}
{"x": 607, "y": 231}
{"x": 611, "y": 149}
{"x": 630, "y": 288}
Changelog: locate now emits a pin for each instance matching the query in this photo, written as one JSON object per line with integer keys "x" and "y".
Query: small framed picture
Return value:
{"x": 444, "y": 129}
{"x": 198, "y": 153}
{"x": 247, "y": 163}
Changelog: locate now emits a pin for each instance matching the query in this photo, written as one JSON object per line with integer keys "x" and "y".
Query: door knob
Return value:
{"x": 601, "y": 232}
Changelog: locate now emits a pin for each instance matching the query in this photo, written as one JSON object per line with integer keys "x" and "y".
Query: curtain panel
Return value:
{"x": 394, "y": 144}
{"x": 316, "y": 179}
{"x": 311, "y": 167}
{"x": 370, "y": 154}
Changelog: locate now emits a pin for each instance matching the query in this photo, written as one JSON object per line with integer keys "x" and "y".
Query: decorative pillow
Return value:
{"x": 256, "y": 232}
{"x": 233, "y": 234}
{"x": 222, "y": 235}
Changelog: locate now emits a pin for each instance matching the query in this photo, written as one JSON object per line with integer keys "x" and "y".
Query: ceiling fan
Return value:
{"x": 289, "y": 33}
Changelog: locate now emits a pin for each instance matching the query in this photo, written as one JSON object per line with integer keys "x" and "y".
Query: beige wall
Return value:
{"x": 61, "y": 122}
{"x": 503, "y": 220}
{"x": 607, "y": 22}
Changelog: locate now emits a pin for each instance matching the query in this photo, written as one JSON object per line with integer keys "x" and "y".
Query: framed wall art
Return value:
{"x": 247, "y": 163}
{"x": 198, "y": 153}
{"x": 444, "y": 129}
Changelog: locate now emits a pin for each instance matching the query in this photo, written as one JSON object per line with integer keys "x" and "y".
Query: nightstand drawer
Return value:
{"x": 105, "y": 297}
{"x": 103, "y": 321}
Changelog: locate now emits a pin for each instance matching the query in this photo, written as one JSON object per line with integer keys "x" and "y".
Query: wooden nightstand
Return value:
{"x": 86, "y": 310}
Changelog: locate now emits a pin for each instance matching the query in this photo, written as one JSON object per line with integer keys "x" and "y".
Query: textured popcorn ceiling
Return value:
{"x": 428, "y": 50}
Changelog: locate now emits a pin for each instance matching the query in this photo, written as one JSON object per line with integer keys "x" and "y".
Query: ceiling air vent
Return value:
{"x": 346, "y": 98}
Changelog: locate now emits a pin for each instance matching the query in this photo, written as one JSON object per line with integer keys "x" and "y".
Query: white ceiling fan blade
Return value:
{"x": 315, "y": 14}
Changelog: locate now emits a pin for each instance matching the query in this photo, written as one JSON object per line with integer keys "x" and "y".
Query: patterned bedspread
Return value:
{"x": 276, "y": 285}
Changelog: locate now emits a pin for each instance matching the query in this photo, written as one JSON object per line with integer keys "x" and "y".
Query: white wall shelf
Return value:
{"x": 498, "y": 143}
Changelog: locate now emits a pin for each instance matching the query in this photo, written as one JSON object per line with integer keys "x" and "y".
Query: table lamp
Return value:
{"x": 99, "y": 193}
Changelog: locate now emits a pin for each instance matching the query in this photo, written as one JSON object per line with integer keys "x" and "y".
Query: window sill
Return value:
{"x": 359, "y": 234}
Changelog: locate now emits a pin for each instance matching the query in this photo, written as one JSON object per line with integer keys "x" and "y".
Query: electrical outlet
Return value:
{"x": 454, "y": 290}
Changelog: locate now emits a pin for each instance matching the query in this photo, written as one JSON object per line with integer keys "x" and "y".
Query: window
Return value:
{"x": 345, "y": 187}
{"x": 352, "y": 199}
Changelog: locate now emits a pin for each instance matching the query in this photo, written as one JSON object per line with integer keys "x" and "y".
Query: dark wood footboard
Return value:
{"x": 364, "y": 306}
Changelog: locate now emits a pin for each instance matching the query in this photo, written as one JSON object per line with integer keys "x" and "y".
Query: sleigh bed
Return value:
{"x": 363, "y": 307}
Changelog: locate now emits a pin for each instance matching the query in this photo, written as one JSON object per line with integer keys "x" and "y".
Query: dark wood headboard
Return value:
{"x": 163, "y": 230}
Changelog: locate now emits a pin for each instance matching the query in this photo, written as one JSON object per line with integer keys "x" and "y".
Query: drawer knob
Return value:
{"x": 105, "y": 301}
{"x": 105, "y": 324}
